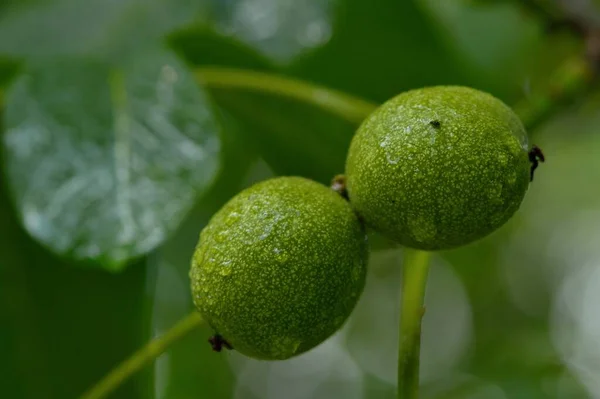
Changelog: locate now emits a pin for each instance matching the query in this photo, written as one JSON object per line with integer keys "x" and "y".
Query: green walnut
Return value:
{"x": 280, "y": 267}
{"x": 438, "y": 167}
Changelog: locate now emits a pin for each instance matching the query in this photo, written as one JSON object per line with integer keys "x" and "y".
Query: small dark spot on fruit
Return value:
{"x": 436, "y": 124}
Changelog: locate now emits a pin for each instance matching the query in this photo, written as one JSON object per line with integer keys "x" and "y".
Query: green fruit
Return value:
{"x": 280, "y": 267}
{"x": 438, "y": 167}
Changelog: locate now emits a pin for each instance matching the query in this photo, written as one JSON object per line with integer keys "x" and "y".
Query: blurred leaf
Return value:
{"x": 495, "y": 58}
{"x": 100, "y": 28}
{"x": 24, "y": 363}
{"x": 294, "y": 139}
{"x": 200, "y": 45}
{"x": 281, "y": 29}
{"x": 104, "y": 161}
{"x": 8, "y": 70}
{"x": 379, "y": 49}
{"x": 61, "y": 327}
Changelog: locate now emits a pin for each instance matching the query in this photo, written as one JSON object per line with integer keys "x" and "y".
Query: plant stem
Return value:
{"x": 349, "y": 107}
{"x": 414, "y": 279}
{"x": 142, "y": 357}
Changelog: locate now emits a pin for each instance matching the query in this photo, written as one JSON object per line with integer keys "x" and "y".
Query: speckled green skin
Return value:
{"x": 280, "y": 267}
{"x": 438, "y": 187}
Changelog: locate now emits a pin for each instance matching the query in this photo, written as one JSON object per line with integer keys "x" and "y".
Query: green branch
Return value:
{"x": 142, "y": 357}
{"x": 344, "y": 105}
{"x": 414, "y": 279}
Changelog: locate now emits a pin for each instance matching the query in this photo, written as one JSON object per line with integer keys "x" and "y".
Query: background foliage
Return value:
{"x": 115, "y": 153}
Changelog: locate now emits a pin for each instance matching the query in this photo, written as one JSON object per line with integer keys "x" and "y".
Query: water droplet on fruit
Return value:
{"x": 495, "y": 193}
{"x": 280, "y": 256}
{"x": 222, "y": 236}
{"x": 392, "y": 159}
{"x": 232, "y": 218}
{"x": 209, "y": 265}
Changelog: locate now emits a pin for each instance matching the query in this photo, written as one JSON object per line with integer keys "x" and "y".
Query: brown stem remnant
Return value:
{"x": 338, "y": 184}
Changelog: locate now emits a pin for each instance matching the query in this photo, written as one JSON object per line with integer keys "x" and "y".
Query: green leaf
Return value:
{"x": 201, "y": 45}
{"x": 380, "y": 49}
{"x": 8, "y": 70}
{"x": 282, "y": 30}
{"x": 495, "y": 58}
{"x": 90, "y": 27}
{"x": 62, "y": 327}
{"x": 293, "y": 138}
{"x": 104, "y": 161}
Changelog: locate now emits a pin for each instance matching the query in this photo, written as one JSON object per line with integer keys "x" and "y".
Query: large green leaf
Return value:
{"x": 8, "y": 70}
{"x": 61, "y": 327}
{"x": 496, "y": 59}
{"x": 90, "y": 27}
{"x": 201, "y": 45}
{"x": 379, "y": 49}
{"x": 104, "y": 161}
{"x": 293, "y": 138}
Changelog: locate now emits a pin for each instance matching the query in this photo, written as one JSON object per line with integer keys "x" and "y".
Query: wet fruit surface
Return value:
{"x": 439, "y": 167}
{"x": 280, "y": 267}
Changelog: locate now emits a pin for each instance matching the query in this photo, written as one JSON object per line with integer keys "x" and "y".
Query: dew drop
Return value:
{"x": 392, "y": 159}
{"x": 232, "y": 218}
{"x": 385, "y": 142}
{"x": 286, "y": 345}
{"x": 295, "y": 346}
{"x": 209, "y": 265}
{"x": 432, "y": 139}
{"x": 222, "y": 236}
{"x": 282, "y": 257}
{"x": 495, "y": 193}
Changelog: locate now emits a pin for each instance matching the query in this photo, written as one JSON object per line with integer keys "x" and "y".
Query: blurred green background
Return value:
{"x": 114, "y": 156}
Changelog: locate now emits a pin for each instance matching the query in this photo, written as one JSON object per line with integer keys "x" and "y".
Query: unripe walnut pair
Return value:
{"x": 281, "y": 266}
